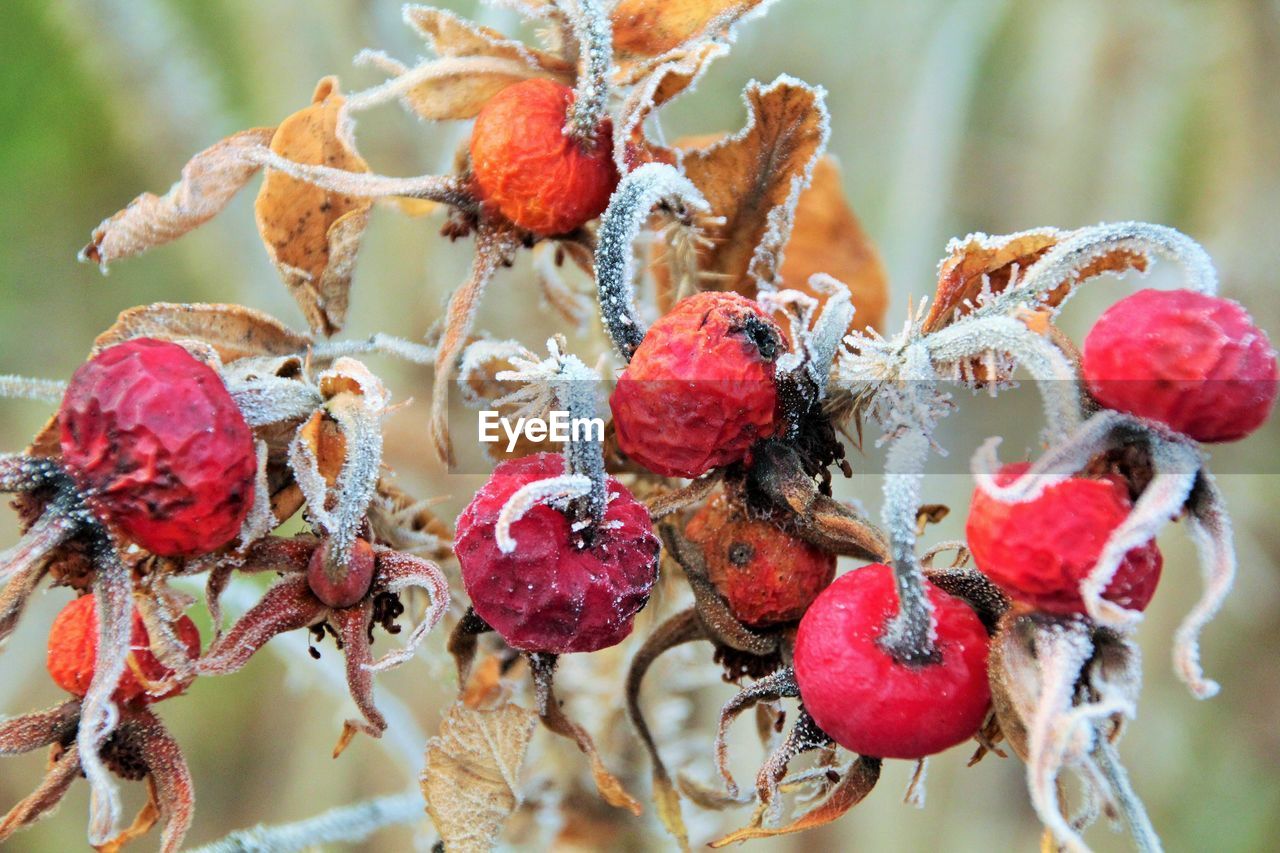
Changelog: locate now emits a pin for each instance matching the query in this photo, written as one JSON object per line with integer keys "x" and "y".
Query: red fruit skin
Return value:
{"x": 156, "y": 443}
{"x": 73, "y": 645}
{"x": 528, "y": 168}
{"x": 766, "y": 576}
{"x": 550, "y": 595}
{"x": 346, "y": 591}
{"x": 1195, "y": 363}
{"x": 699, "y": 392}
{"x": 1040, "y": 551}
{"x": 872, "y": 704}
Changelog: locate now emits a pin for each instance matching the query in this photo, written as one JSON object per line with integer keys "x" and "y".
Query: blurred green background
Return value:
{"x": 948, "y": 117}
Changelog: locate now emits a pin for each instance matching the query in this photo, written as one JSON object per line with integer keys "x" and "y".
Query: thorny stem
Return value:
{"x": 620, "y": 225}
{"x": 910, "y": 635}
{"x": 594, "y": 34}
{"x": 1135, "y": 815}
{"x": 345, "y": 824}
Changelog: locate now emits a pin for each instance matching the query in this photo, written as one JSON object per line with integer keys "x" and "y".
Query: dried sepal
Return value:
{"x": 208, "y": 182}
{"x": 287, "y": 606}
{"x": 63, "y": 770}
{"x": 753, "y": 181}
{"x": 311, "y": 233}
{"x": 471, "y": 779}
{"x": 169, "y": 781}
{"x": 396, "y": 574}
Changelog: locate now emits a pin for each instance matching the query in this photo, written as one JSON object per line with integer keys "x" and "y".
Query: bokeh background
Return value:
{"x": 948, "y": 117}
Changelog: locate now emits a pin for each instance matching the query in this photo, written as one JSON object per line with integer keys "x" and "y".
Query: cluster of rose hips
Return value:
{"x": 178, "y": 460}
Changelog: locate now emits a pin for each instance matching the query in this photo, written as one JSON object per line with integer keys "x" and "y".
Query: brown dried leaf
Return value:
{"x": 652, "y": 27}
{"x": 960, "y": 279}
{"x": 208, "y": 182}
{"x": 471, "y": 778}
{"x": 475, "y": 64}
{"x": 857, "y": 783}
{"x": 233, "y": 331}
{"x": 828, "y": 238}
{"x": 312, "y": 234}
{"x": 753, "y": 180}
{"x": 651, "y": 85}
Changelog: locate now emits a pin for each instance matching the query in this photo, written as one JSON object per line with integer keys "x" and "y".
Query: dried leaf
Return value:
{"x": 327, "y": 444}
{"x": 475, "y": 64}
{"x": 857, "y": 783}
{"x": 980, "y": 259}
{"x": 208, "y": 182}
{"x": 233, "y": 331}
{"x": 312, "y": 234}
{"x": 753, "y": 181}
{"x": 828, "y": 238}
{"x": 650, "y": 86}
{"x": 471, "y": 778}
{"x": 652, "y": 27}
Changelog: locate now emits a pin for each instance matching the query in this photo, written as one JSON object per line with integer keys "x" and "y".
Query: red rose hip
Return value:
{"x": 156, "y": 443}
{"x": 73, "y": 646}
{"x": 766, "y": 576}
{"x": 1193, "y": 362}
{"x": 699, "y": 390}
{"x": 561, "y": 590}
{"x": 865, "y": 699}
{"x": 1040, "y": 551}
{"x": 535, "y": 174}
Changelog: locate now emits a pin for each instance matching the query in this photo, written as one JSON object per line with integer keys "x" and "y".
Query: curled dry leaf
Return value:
{"x": 475, "y": 63}
{"x": 472, "y": 775}
{"x": 652, "y": 27}
{"x": 980, "y": 260}
{"x": 753, "y": 181}
{"x": 652, "y": 85}
{"x": 233, "y": 331}
{"x": 312, "y": 234}
{"x": 208, "y": 182}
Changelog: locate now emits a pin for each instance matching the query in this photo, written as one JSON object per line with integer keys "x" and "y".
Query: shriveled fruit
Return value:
{"x": 561, "y": 590}
{"x": 1041, "y": 550}
{"x": 341, "y": 586}
{"x": 156, "y": 443}
{"x": 534, "y": 173}
{"x": 73, "y": 647}
{"x": 868, "y": 701}
{"x": 1193, "y": 362}
{"x": 699, "y": 390}
{"x": 766, "y": 576}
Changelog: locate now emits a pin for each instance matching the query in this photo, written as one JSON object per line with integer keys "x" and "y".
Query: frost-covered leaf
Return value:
{"x": 650, "y": 86}
{"x": 828, "y": 238}
{"x": 312, "y": 234}
{"x": 233, "y": 331}
{"x": 652, "y": 27}
{"x": 474, "y": 64}
{"x": 208, "y": 182}
{"x": 980, "y": 263}
{"x": 472, "y": 775}
{"x": 753, "y": 181}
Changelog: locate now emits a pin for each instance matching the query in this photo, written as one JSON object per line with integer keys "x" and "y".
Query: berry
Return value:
{"x": 699, "y": 390}
{"x": 157, "y": 445}
{"x": 561, "y": 590}
{"x": 73, "y": 647}
{"x": 766, "y": 576}
{"x": 353, "y": 586}
{"x": 1195, "y": 363}
{"x": 1041, "y": 550}
{"x": 871, "y": 703}
{"x": 535, "y": 174}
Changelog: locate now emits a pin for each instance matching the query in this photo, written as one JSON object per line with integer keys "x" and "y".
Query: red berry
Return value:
{"x": 868, "y": 701}
{"x": 766, "y": 576}
{"x": 73, "y": 646}
{"x": 1195, "y": 363}
{"x": 155, "y": 441}
{"x": 355, "y": 583}
{"x": 1041, "y": 550}
{"x": 533, "y": 172}
{"x": 699, "y": 391}
{"x": 560, "y": 590}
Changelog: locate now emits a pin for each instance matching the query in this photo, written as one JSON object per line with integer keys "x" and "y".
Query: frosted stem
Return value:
{"x": 910, "y": 634}
{"x": 446, "y": 189}
{"x": 1210, "y": 527}
{"x": 22, "y": 388}
{"x": 593, "y": 32}
{"x": 628, "y": 211}
{"x": 528, "y": 496}
{"x": 1135, "y": 815}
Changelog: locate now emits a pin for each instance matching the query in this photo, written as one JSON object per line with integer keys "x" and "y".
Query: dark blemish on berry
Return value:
{"x": 762, "y": 333}
{"x": 741, "y": 553}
